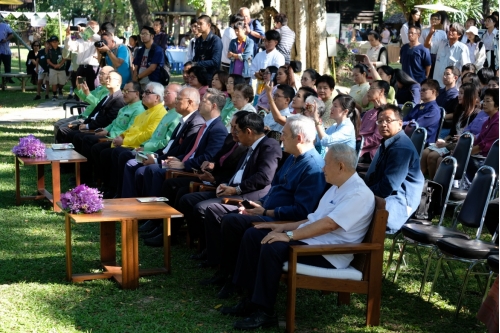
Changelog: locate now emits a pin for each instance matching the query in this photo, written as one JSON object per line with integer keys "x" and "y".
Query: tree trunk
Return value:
{"x": 141, "y": 11}
{"x": 255, "y": 6}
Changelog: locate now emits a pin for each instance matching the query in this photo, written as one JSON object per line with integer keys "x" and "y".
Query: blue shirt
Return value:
{"x": 395, "y": 175}
{"x": 411, "y": 94}
{"x": 414, "y": 60}
{"x": 427, "y": 115}
{"x": 296, "y": 188}
{"x": 122, "y": 52}
{"x": 446, "y": 97}
{"x": 5, "y": 31}
{"x": 340, "y": 133}
{"x": 257, "y": 27}
{"x": 156, "y": 58}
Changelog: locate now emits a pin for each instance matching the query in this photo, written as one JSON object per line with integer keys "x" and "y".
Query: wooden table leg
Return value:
{"x": 166, "y": 243}
{"x": 18, "y": 182}
{"x": 130, "y": 254}
{"x": 23, "y": 84}
{"x": 69, "y": 269}
{"x": 77, "y": 173}
{"x": 40, "y": 175}
{"x": 56, "y": 185}
{"x": 108, "y": 243}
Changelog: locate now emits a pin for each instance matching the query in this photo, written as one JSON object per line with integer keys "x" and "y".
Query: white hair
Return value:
{"x": 320, "y": 105}
{"x": 300, "y": 124}
{"x": 157, "y": 89}
{"x": 344, "y": 153}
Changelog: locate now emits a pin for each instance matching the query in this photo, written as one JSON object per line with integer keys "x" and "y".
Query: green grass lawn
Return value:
{"x": 35, "y": 297}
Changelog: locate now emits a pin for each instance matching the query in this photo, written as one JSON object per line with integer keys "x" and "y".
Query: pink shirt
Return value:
{"x": 488, "y": 134}
{"x": 369, "y": 131}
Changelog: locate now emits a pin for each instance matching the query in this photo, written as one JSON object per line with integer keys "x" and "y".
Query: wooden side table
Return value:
{"x": 54, "y": 158}
{"x": 127, "y": 212}
{"x": 23, "y": 77}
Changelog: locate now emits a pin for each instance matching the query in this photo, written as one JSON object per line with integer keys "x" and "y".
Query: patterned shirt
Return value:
{"x": 5, "y": 31}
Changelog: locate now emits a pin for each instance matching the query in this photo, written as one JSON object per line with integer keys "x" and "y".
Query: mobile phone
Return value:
{"x": 81, "y": 79}
{"x": 359, "y": 57}
{"x": 245, "y": 203}
{"x": 74, "y": 28}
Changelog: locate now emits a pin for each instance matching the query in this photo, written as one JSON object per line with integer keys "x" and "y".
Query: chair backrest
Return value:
{"x": 462, "y": 153}
{"x": 492, "y": 158}
{"x": 441, "y": 122}
{"x": 419, "y": 137}
{"x": 375, "y": 234}
{"x": 444, "y": 176}
{"x": 475, "y": 204}
{"x": 407, "y": 107}
{"x": 359, "y": 146}
{"x": 411, "y": 128}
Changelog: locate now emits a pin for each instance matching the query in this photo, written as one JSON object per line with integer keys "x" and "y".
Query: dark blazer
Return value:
{"x": 209, "y": 145}
{"x": 261, "y": 167}
{"x": 107, "y": 112}
{"x": 184, "y": 137}
{"x": 223, "y": 173}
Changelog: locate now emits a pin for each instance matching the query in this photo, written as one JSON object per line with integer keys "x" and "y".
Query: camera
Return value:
{"x": 74, "y": 28}
{"x": 100, "y": 43}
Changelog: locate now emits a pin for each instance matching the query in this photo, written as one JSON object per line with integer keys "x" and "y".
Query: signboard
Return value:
{"x": 37, "y": 21}
{"x": 333, "y": 24}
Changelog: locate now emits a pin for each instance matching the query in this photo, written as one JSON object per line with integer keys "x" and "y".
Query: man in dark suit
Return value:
{"x": 251, "y": 178}
{"x": 104, "y": 112}
{"x": 181, "y": 142}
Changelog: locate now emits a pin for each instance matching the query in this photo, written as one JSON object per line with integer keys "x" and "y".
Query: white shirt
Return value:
{"x": 438, "y": 36}
{"x": 85, "y": 50}
{"x": 239, "y": 174}
{"x": 228, "y": 35}
{"x": 456, "y": 55}
{"x": 272, "y": 124}
{"x": 263, "y": 60}
{"x": 488, "y": 39}
{"x": 351, "y": 206}
{"x": 190, "y": 50}
{"x": 404, "y": 34}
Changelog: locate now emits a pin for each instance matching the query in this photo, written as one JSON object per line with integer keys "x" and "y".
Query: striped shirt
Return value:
{"x": 286, "y": 43}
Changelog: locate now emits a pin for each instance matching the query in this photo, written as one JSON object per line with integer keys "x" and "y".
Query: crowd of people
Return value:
{"x": 289, "y": 149}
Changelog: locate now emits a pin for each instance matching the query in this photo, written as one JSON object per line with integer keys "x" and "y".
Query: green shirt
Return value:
{"x": 93, "y": 99}
{"x": 227, "y": 112}
{"x": 124, "y": 119}
{"x": 163, "y": 132}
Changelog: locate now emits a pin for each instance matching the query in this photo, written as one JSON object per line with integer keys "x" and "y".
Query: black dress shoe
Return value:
{"x": 155, "y": 241}
{"x": 244, "y": 308}
{"x": 256, "y": 320}
{"x": 149, "y": 226}
{"x": 228, "y": 290}
{"x": 218, "y": 278}
{"x": 199, "y": 256}
{"x": 153, "y": 233}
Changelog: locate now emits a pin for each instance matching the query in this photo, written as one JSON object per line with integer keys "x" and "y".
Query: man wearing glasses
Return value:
{"x": 126, "y": 116}
{"x": 394, "y": 173}
{"x": 149, "y": 59}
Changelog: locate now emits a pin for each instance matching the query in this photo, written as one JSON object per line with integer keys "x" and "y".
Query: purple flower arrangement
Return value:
{"x": 29, "y": 146}
{"x": 82, "y": 200}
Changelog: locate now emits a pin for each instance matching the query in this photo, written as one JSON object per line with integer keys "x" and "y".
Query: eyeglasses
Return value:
{"x": 126, "y": 91}
{"x": 178, "y": 99}
{"x": 192, "y": 77}
{"x": 236, "y": 132}
{"x": 266, "y": 72}
{"x": 385, "y": 121}
{"x": 35, "y": 45}
{"x": 148, "y": 92}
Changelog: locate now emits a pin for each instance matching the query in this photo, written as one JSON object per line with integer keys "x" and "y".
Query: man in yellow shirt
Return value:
{"x": 140, "y": 131}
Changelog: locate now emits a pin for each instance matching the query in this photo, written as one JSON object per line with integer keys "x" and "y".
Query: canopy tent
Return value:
{"x": 438, "y": 7}
{"x": 11, "y": 2}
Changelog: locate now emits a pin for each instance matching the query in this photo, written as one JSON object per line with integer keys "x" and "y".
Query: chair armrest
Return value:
{"x": 194, "y": 187}
{"x": 230, "y": 201}
{"x": 276, "y": 222}
{"x": 314, "y": 250}
{"x": 74, "y": 103}
{"x": 177, "y": 173}
{"x": 207, "y": 188}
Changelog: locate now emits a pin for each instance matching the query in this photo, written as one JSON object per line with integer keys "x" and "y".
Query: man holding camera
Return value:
{"x": 149, "y": 59}
{"x": 115, "y": 55}
{"x": 83, "y": 46}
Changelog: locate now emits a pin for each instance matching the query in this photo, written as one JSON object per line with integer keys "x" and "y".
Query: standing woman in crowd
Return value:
{"x": 440, "y": 24}
{"x": 359, "y": 90}
{"x": 477, "y": 51}
{"x": 133, "y": 44}
{"x": 489, "y": 37}
{"x": 408, "y": 89}
{"x": 32, "y": 61}
{"x": 219, "y": 81}
{"x": 325, "y": 85}
{"x": 240, "y": 52}
{"x": 160, "y": 38}
{"x": 198, "y": 79}
{"x": 229, "y": 109}
{"x": 377, "y": 53}
{"x": 286, "y": 76}
{"x": 309, "y": 78}
{"x": 385, "y": 35}
{"x": 471, "y": 22}
{"x": 413, "y": 19}
{"x": 347, "y": 119}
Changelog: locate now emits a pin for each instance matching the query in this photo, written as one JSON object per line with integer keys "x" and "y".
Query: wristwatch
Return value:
{"x": 290, "y": 235}
{"x": 238, "y": 190}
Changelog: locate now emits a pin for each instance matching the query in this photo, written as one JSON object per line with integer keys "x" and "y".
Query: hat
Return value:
{"x": 474, "y": 30}
{"x": 53, "y": 39}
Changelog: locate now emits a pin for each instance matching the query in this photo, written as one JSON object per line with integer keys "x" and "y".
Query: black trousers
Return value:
{"x": 90, "y": 75}
{"x": 260, "y": 266}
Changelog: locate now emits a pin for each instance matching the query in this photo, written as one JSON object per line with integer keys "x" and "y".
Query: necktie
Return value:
{"x": 226, "y": 155}
{"x": 239, "y": 174}
{"x": 195, "y": 146}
